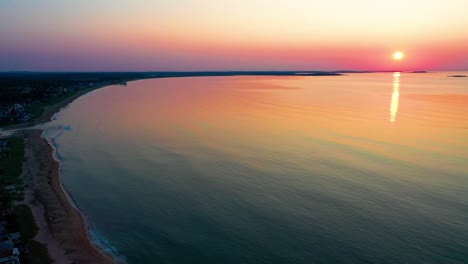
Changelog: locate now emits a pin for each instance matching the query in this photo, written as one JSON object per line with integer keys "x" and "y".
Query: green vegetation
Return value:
{"x": 11, "y": 165}
{"x": 30, "y": 86}
{"x": 5, "y": 199}
{"x": 35, "y": 251}
{"x": 37, "y": 109}
{"x": 37, "y": 254}
{"x": 26, "y": 223}
{"x": 25, "y": 94}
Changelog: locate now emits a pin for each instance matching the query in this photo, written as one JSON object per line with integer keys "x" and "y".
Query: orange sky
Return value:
{"x": 233, "y": 35}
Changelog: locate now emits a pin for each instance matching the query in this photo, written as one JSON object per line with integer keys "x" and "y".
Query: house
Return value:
{"x": 6, "y": 244}
{"x": 25, "y": 118}
{"x": 9, "y": 256}
{"x": 3, "y": 233}
{"x": 15, "y": 237}
{"x": 18, "y": 108}
{"x": 3, "y": 145}
{"x": 25, "y": 90}
{"x": 6, "y": 211}
{"x": 8, "y": 253}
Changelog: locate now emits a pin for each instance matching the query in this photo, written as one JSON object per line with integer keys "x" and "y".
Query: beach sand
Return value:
{"x": 61, "y": 227}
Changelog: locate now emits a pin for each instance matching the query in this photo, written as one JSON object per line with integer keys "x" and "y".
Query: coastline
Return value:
{"x": 62, "y": 228}
{"x": 51, "y": 110}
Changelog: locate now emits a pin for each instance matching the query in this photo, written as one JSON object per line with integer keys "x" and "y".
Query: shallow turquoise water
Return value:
{"x": 364, "y": 168}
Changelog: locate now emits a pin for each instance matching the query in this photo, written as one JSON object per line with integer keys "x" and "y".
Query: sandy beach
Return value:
{"x": 62, "y": 228}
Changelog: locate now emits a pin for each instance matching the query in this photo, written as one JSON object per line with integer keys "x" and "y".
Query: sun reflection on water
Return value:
{"x": 395, "y": 97}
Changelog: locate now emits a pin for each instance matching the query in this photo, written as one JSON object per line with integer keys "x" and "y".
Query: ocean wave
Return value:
{"x": 51, "y": 134}
{"x": 102, "y": 243}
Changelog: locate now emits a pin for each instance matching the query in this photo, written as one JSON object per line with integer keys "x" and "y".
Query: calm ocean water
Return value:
{"x": 363, "y": 168}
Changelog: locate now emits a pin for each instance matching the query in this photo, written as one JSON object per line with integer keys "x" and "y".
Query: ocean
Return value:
{"x": 361, "y": 168}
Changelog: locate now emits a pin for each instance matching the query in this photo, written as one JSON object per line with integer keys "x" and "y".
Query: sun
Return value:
{"x": 398, "y": 55}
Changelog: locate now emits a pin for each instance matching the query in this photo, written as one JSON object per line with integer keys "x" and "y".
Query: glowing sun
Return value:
{"x": 398, "y": 55}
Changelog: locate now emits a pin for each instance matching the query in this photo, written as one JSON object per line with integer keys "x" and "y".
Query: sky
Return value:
{"x": 198, "y": 35}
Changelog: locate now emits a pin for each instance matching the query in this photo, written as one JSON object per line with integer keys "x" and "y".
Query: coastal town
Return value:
{"x": 24, "y": 95}
{"x": 15, "y": 112}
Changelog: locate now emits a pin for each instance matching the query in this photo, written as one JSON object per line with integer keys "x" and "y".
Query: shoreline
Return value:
{"x": 60, "y": 188}
{"x": 62, "y": 227}
{"x": 65, "y": 231}
{"x": 51, "y": 110}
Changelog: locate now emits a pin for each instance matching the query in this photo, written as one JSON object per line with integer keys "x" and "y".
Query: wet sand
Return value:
{"x": 62, "y": 228}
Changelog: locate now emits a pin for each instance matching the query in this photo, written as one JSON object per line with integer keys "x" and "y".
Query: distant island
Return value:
{"x": 457, "y": 76}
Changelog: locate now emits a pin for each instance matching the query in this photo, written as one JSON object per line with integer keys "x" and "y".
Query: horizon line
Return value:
{"x": 230, "y": 71}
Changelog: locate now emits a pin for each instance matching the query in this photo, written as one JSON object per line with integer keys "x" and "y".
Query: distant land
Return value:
{"x": 457, "y": 76}
{"x": 26, "y": 94}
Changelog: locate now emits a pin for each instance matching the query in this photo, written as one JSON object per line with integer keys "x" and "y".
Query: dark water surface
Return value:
{"x": 364, "y": 168}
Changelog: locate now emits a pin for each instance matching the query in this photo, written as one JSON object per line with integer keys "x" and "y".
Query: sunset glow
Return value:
{"x": 234, "y": 131}
{"x": 398, "y": 55}
{"x": 232, "y": 35}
